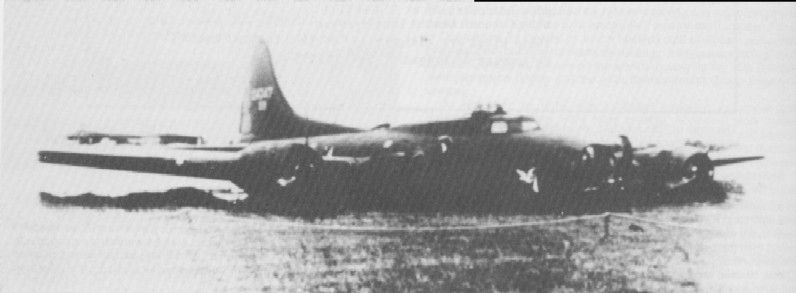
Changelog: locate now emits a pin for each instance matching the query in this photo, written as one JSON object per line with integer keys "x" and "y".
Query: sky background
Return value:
{"x": 653, "y": 71}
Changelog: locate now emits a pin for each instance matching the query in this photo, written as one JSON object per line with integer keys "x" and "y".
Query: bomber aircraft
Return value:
{"x": 482, "y": 159}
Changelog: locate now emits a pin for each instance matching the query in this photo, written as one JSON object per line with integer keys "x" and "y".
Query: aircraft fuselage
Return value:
{"x": 492, "y": 150}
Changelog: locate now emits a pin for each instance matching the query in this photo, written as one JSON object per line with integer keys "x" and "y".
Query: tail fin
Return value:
{"x": 265, "y": 111}
{"x": 266, "y": 114}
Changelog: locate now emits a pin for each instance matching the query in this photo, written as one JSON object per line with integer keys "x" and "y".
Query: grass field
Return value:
{"x": 572, "y": 256}
{"x": 568, "y": 257}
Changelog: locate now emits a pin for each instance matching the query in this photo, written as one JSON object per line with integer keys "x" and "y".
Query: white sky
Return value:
{"x": 647, "y": 69}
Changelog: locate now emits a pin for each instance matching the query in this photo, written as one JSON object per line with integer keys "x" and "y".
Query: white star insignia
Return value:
{"x": 529, "y": 177}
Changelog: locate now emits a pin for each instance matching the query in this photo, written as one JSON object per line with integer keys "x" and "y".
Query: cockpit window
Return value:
{"x": 499, "y": 127}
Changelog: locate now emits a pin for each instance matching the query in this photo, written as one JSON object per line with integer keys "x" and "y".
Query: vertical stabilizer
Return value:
{"x": 265, "y": 113}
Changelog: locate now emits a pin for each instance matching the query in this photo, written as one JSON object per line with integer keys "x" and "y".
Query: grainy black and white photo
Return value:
{"x": 390, "y": 146}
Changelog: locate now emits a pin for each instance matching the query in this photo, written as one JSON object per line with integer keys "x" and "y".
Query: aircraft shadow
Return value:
{"x": 714, "y": 192}
{"x": 170, "y": 199}
{"x": 697, "y": 192}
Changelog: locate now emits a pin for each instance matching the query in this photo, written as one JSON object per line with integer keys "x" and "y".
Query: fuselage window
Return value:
{"x": 499, "y": 127}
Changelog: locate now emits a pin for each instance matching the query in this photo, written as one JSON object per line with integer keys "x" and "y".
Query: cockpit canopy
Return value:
{"x": 497, "y": 122}
{"x": 500, "y": 125}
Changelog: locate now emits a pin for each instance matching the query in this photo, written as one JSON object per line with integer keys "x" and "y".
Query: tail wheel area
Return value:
{"x": 299, "y": 166}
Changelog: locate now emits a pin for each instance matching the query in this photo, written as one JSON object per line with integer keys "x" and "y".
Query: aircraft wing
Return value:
{"x": 727, "y": 155}
{"x": 203, "y": 162}
{"x": 721, "y": 161}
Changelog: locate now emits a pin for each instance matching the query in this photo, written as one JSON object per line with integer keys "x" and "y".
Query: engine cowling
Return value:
{"x": 697, "y": 167}
{"x": 674, "y": 168}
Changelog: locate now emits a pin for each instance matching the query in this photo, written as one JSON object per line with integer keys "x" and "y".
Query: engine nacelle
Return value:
{"x": 674, "y": 168}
